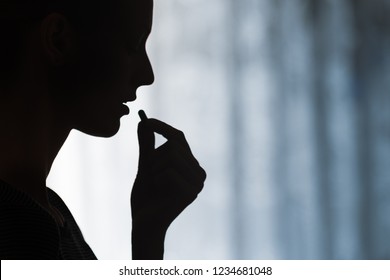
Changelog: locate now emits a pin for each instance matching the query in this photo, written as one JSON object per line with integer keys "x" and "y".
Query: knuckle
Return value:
{"x": 200, "y": 187}
{"x": 202, "y": 173}
{"x": 180, "y": 134}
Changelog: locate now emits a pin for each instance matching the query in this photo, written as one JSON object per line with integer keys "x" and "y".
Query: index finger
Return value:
{"x": 169, "y": 132}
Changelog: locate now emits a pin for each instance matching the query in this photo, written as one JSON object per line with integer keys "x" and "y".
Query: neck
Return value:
{"x": 31, "y": 137}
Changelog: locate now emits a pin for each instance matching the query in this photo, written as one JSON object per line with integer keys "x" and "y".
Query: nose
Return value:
{"x": 147, "y": 75}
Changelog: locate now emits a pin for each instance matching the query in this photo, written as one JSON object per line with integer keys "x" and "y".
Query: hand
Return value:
{"x": 169, "y": 179}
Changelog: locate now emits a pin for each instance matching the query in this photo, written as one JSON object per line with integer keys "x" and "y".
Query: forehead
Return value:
{"x": 136, "y": 13}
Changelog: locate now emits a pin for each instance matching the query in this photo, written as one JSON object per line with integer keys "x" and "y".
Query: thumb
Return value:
{"x": 146, "y": 141}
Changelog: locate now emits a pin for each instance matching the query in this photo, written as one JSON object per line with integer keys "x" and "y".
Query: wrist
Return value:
{"x": 147, "y": 241}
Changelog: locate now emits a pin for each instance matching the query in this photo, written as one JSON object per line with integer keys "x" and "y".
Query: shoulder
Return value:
{"x": 26, "y": 230}
{"x": 57, "y": 202}
{"x": 73, "y": 245}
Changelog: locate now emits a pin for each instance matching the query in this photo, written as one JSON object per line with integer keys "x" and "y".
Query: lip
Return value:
{"x": 125, "y": 110}
{"x": 131, "y": 98}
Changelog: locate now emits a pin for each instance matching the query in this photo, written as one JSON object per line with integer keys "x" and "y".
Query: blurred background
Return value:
{"x": 286, "y": 104}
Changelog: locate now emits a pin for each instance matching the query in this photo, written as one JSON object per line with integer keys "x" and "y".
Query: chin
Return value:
{"x": 104, "y": 130}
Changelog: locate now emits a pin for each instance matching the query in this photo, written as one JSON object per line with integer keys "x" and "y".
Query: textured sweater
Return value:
{"x": 28, "y": 231}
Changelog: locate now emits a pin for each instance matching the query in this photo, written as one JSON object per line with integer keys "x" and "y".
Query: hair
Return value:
{"x": 16, "y": 17}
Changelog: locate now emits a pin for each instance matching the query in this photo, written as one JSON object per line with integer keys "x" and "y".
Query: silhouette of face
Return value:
{"x": 110, "y": 65}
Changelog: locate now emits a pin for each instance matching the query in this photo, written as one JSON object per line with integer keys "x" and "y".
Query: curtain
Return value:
{"x": 286, "y": 105}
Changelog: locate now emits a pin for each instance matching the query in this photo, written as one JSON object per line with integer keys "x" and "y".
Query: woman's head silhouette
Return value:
{"x": 75, "y": 61}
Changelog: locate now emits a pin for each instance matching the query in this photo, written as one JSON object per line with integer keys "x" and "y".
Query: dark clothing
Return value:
{"x": 28, "y": 231}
